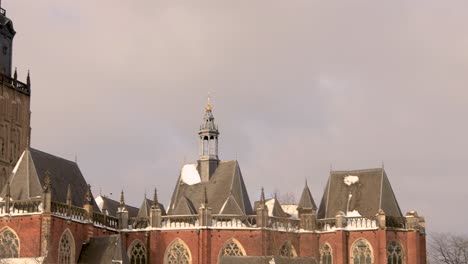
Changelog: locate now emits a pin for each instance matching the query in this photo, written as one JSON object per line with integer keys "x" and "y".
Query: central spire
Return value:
{"x": 208, "y": 137}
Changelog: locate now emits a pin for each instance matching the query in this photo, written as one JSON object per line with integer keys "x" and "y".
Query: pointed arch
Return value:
{"x": 178, "y": 253}
{"x": 137, "y": 252}
{"x": 66, "y": 249}
{"x": 326, "y": 254}
{"x": 287, "y": 250}
{"x": 395, "y": 254}
{"x": 232, "y": 247}
{"x": 9, "y": 243}
{"x": 361, "y": 252}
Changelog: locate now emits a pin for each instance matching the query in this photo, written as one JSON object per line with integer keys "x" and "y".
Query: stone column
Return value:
{"x": 340, "y": 220}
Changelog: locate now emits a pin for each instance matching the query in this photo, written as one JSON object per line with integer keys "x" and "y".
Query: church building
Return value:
{"x": 48, "y": 213}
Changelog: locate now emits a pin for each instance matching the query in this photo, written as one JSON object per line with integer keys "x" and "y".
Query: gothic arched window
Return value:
{"x": 178, "y": 253}
{"x": 9, "y": 244}
{"x": 232, "y": 248}
{"x": 362, "y": 252}
{"x": 137, "y": 253}
{"x": 287, "y": 250}
{"x": 326, "y": 255}
{"x": 66, "y": 252}
{"x": 394, "y": 253}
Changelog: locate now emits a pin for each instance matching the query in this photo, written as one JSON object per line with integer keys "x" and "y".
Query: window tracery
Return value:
{"x": 9, "y": 244}
{"x": 394, "y": 253}
{"x": 66, "y": 248}
{"x": 178, "y": 253}
{"x": 362, "y": 253}
{"x": 326, "y": 256}
{"x": 232, "y": 248}
{"x": 287, "y": 250}
{"x": 137, "y": 254}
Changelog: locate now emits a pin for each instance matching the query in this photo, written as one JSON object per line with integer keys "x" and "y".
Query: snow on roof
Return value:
{"x": 290, "y": 209}
{"x": 190, "y": 174}
{"x": 354, "y": 213}
{"x": 350, "y": 179}
{"x": 269, "y": 204}
{"x": 99, "y": 202}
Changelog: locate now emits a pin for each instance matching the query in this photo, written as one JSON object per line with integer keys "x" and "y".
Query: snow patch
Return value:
{"x": 99, "y": 202}
{"x": 270, "y": 204}
{"x": 190, "y": 174}
{"x": 353, "y": 213}
{"x": 15, "y": 169}
{"x": 290, "y": 209}
{"x": 350, "y": 179}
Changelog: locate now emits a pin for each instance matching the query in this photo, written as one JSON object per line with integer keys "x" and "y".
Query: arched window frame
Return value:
{"x": 323, "y": 251}
{"x": 132, "y": 246}
{"x": 287, "y": 246}
{"x": 355, "y": 244}
{"x": 71, "y": 257}
{"x": 173, "y": 244}
{"x": 232, "y": 241}
{"x": 402, "y": 252}
{"x": 3, "y": 231}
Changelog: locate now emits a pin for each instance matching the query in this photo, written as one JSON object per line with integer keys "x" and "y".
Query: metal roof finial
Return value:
{"x": 208, "y": 107}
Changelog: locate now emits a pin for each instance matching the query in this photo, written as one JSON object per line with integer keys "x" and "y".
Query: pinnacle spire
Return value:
{"x": 28, "y": 79}
{"x": 262, "y": 196}
{"x": 15, "y": 75}
{"x": 122, "y": 199}
{"x": 206, "y": 197}
{"x": 155, "y": 199}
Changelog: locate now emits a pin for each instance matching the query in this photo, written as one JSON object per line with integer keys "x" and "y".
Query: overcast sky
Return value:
{"x": 297, "y": 86}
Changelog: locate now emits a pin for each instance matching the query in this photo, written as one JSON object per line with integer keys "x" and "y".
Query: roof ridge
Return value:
{"x": 360, "y": 170}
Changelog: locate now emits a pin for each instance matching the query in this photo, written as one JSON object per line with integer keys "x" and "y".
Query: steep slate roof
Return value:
{"x": 145, "y": 208}
{"x": 266, "y": 260}
{"x": 27, "y": 178}
{"x": 275, "y": 209}
{"x": 112, "y": 206}
{"x": 225, "y": 190}
{"x": 370, "y": 193}
{"x": 104, "y": 249}
{"x": 306, "y": 201}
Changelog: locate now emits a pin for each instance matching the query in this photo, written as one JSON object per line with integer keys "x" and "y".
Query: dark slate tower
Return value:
{"x": 208, "y": 134}
{"x": 6, "y": 43}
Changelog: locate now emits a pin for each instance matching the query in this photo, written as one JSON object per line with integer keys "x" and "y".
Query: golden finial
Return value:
{"x": 208, "y": 107}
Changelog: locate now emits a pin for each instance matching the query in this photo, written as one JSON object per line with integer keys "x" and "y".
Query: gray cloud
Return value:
{"x": 297, "y": 86}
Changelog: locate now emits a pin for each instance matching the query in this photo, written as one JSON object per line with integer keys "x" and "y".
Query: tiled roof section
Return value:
{"x": 104, "y": 249}
{"x": 27, "y": 179}
{"x": 306, "y": 201}
{"x": 112, "y": 207}
{"x": 226, "y": 181}
{"x": 266, "y": 260}
{"x": 370, "y": 191}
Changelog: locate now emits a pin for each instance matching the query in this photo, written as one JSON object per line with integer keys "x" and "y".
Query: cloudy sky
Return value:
{"x": 297, "y": 86}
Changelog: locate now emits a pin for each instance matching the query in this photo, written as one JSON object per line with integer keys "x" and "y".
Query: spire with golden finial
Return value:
{"x": 208, "y": 106}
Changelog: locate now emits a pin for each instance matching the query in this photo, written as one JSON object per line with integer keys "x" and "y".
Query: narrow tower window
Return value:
{"x": 326, "y": 256}
{"x": 362, "y": 253}
{"x": 394, "y": 253}
{"x": 66, "y": 248}
{"x": 137, "y": 254}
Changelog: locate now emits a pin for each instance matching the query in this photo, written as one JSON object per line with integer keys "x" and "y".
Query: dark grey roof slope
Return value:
{"x": 112, "y": 207}
{"x": 27, "y": 179}
{"x": 372, "y": 191}
{"x": 225, "y": 190}
{"x": 276, "y": 209}
{"x": 306, "y": 201}
{"x": 266, "y": 260}
{"x": 105, "y": 249}
{"x": 145, "y": 208}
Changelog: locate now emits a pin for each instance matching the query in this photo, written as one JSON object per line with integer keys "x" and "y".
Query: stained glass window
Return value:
{"x": 394, "y": 253}
{"x": 137, "y": 253}
{"x": 178, "y": 253}
{"x": 326, "y": 256}
{"x": 9, "y": 244}
{"x": 66, "y": 248}
{"x": 362, "y": 253}
{"x": 287, "y": 250}
{"x": 232, "y": 248}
